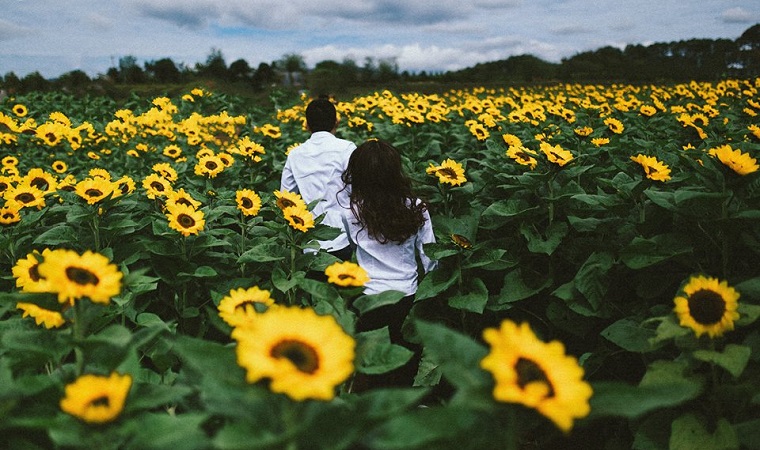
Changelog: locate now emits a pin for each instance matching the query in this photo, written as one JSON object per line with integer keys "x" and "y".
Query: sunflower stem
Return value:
{"x": 79, "y": 331}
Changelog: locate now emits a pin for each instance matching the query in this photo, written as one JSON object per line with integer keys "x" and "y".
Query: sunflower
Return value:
{"x": 209, "y": 166}
{"x": 20, "y": 110}
{"x": 299, "y": 217}
{"x": 523, "y": 155}
{"x": 9, "y": 161}
{"x": 9, "y": 214}
{"x": 156, "y": 186}
{"x": 707, "y": 305}
{"x": 303, "y": 354}
{"x": 654, "y": 169}
{"x": 181, "y": 197}
{"x": 286, "y": 199}
{"x": 248, "y": 202}
{"x": 511, "y": 139}
{"x": 583, "y": 131}
{"x": 166, "y": 171}
{"x": 94, "y": 189}
{"x": 172, "y": 151}
{"x": 556, "y": 154}
{"x": 741, "y": 163}
{"x": 185, "y": 219}
{"x": 96, "y": 398}
{"x": 614, "y": 125}
{"x": 97, "y": 172}
{"x": 73, "y": 276}
{"x": 600, "y": 141}
{"x": 123, "y": 186}
{"x": 59, "y": 166}
{"x": 25, "y": 196}
{"x": 479, "y": 131}
{"x": 269, "y": 130}
{"x": 648, "y": 110}
{"x": 240, "y": 305}
{"x": 45, "y": 317}
{"x": 27, "y": 274}
{"x": 346, "y": 273}
{"x": 536, "y": 374}
{"x": 449, "y": 172}
{"x": 44, "y": 181}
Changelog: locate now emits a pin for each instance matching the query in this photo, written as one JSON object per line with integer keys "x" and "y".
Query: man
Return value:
{"x": 314, "y": 169}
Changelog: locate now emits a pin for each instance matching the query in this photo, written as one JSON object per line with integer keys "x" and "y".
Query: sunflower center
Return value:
{"x": 250, "y": 306}
{"x": 157, "y": 186}
{"x": 39, "y": 183}
{"x": 297, "y": 220}
{"x": 284, "y": 203}
{"x": 302, "y": 355}
{"x": 211, "y": 165}
{"x": 706, "y": 307}
{"x": 346, "y": 276}
{"x": 529, "y": 372}
{"x": 185, "y": 221}
{"x": 92, "y": 192}
{"x": 100, "y": 401}
{"x": 184, "y": 201}
{"x": 246, "y": 203}
{"x": 34, "y": 274}
{"x": 448, "y": 173}
{"x": 81, "y": 276}
{"x": 25, "y": 197}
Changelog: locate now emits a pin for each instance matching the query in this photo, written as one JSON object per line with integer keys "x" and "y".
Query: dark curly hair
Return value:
{"x": 381, "y": 194}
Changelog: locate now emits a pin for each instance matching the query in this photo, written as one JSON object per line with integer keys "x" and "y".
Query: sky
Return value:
{"x": 54, "y": 37}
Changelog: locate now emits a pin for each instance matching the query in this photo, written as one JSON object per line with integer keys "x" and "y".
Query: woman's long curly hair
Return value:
{"x": 381, "y": 194}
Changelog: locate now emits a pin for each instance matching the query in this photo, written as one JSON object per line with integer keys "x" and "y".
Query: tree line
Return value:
{"x": 694, "y": 59}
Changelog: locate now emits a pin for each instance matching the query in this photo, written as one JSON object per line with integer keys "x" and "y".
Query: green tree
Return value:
{"x": 163, "y": 71}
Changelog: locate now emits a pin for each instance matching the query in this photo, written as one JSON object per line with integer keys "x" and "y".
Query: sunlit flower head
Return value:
{"x": 536, "y": 374}
{"x": 180, "y": 197}
{"x": 449, "y": 172}
{"x": 73, "y": 276}
{"x": 707, "y": 305}
{"x": 653, "y": 168}
{"x": 44, "y": 181}
{"x": 96, "y": 399}
{"x": 741, "y": 163}
{"x": 185, "y": 219}
{"x": 304, "y": 355}
{"x": 209, "y": 166}
{"x": 25, "y": 196}
{"x": 42, "y": 317}
{"x": 583, "y": 131}
{"x": 556, "y": 154}
{"x": 20, "y": 110}
{"x": 156, "y": 186}
{"x": 10, "y": 214}
{"x": 241, "y": 305}
{"x": 614, "y": 125}
{"x": 94, "y": 189}
{"x": 165, "y": 170}
{"x": 346, "y": 273}
{"x": 299, "y": 218}
{"x": 123, "y": 186}
{"x": 523, "y": 156}
{"x": 286, "y": 199}
{"x": 248, "y": 202}
{"x": 27, "y": 274}
{"x": 59, "y": 166}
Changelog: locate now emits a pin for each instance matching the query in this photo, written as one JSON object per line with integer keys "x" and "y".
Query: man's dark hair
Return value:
{"x": 321, "y": 115}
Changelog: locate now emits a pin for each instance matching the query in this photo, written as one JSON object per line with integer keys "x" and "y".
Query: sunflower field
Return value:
{"x": 598, "y": 280}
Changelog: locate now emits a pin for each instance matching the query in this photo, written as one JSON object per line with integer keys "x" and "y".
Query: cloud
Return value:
{"x": 738, "y": 15}
{"x": 10, "y": 30}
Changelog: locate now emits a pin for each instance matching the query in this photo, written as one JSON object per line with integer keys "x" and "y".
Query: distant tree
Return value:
{"x": 11, "y": 83}
{"x": 129, "y": 71}
{"x": 387, "y": 70}
{"x": 163, "y": 71}
{"x": 264, "y": 76}
{"x": 748, "y": 51}
{"x": 34, "y": 82}
{"x": 76, "y": 80}
{"x": 239, "y": 70}
{"x": 215, "y": 66}
{"x": 293, "y": 65}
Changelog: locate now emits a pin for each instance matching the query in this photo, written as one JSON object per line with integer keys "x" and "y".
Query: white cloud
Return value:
{"x": 739, "y": 15}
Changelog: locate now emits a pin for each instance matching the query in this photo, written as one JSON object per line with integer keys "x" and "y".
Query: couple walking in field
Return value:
{"x": 364, "y": 192}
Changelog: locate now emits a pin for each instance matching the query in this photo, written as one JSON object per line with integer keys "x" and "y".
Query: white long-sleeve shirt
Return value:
{"x": 390, "y": 266}
{"x": 314, "y": 170}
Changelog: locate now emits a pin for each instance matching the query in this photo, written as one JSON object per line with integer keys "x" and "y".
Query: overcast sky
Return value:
{"x": 53, "y": 37}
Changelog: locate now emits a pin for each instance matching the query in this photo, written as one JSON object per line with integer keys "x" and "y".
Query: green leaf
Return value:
{"x": 592, "y": 279}
{"x": 733, "y": 358}
{"x": 458, "y": 355}
{"x": 473, "y": 299}
{"x": 629, "y": 335}
{"x": 518, "y": 286}
{"x": 262, "y": 253}
{"x": 436, "y": 282}
{"x": 164, "y": 431}
{"x": 537, "y": 243}
{"x": 375, "y": 354}
{"x": 643, "y": 252}
{"x": 688, "y": 432}
{"x": 369, "y": 302}
{"x": 61, "y": 234}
